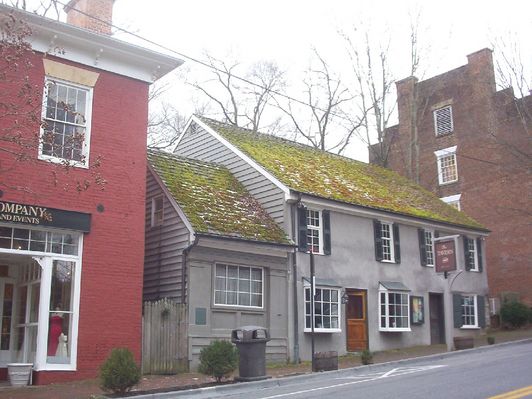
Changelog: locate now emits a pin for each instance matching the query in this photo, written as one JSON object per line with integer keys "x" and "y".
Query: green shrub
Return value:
{"x": 490, "y": 339}
{"x": 218, "y": 359}
{"x": 366, "y": 357}
{"x": 515, "y": 314}
{"x": 119, "y": 373}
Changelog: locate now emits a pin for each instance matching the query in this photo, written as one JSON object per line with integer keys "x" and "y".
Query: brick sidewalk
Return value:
{"x": 89, "y": 389}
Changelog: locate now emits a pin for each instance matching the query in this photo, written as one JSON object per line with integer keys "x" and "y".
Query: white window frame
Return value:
{"x": 428, "y": 235}
{"x": 387, "y": 316}
{"x": 391, "y": 241}
{"x": 474, "y": 314}
{"x": 45, "y": 261}
{"x": 453, "y": 200}
{"x": 338, "y": 305}
{"x": 318, "y": 229}
{"x": 88, "y": 118}
{"x": 435, "y": 113}
{"x": 154, "y": 222}
{"x": 262, "y": 293}
{"x": 472, "y": 252}
{"x": 440, "y": 156}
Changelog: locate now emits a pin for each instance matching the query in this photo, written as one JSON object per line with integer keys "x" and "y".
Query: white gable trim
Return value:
{"x": 176, "y": 206}
{"x": 246, "y": 158}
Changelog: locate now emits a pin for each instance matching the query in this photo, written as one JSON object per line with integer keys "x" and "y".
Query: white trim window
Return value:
{"x": 469, "y": 311}
{"x": 443, "y": 121}
{"x": 472, "y": 255}
{"x": 388, "y": 254}
{"x": 453, "y": 200}
{"x": 239, "y": 286}
{"x": 326, "y": 310}
{"x": 394, "y": 310}
{"x": 314, "y": 231}
{"x": 447, "y": 167}
{"x": 66, "y": 121}
{"x": 429, "y": 248}
{"x": 157, "y": 211}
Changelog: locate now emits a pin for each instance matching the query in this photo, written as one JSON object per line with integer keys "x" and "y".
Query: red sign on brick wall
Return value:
{"x": 445, "y": 255}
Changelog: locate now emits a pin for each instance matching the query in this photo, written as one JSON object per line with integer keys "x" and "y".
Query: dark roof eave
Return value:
{"x": 482, "y": 229}
{"x": 246, "y": 240}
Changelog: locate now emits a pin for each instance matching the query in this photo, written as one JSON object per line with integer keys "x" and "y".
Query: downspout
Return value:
{"x": 294, "y": 276}
{"x": 183, "y": 323}
{"x": 184, "y": 267}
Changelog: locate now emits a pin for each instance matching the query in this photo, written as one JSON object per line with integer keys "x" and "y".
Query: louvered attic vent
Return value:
{"x": 443, "y": 120}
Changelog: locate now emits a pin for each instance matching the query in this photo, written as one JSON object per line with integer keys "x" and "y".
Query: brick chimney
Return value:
{"x": 94, "y": 15}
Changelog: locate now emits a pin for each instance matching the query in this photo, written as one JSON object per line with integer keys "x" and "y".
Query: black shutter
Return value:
{"x": 396, "y": 243}
{"x": 422, "y": 247}
{"x": 302, "y": 228}
{"x": 457, "y": 310}
{"x": 326, "y": 218}
{"x": 479, "y": 254}
{"x": 378, "y": 239}
{"x": 466, "y": 255}
{"x": 481, "y": 311}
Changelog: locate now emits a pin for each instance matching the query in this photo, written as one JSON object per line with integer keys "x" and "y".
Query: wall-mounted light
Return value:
{"x": 344, "y": 297}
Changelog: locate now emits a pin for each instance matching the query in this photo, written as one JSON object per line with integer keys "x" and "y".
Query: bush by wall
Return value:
{"x": 515, "y": 314}
{"x": 119, "y": 373}
{"x": 218, "y": 359}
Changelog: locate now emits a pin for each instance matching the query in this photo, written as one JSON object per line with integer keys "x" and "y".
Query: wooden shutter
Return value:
{"x": 396, "y": 243}
{"x": 378, "y": 239}
{"x": 467, "y": 260}
{"x": 422, "y": 247}
{"x": 302, "y": 228}
{"x": 457, "y": 310}
{"x": 481, "y": 311}
{"x": 479, "y": 254}
{"x": 326, "y": 219}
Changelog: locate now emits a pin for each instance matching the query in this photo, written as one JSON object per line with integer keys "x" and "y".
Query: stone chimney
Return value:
{"x": 94, "y": 15}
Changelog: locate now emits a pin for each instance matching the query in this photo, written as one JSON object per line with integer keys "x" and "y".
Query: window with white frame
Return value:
{"x": 238, "y": 286}
{"x": 22, "y": 239}
{"x": 447, "y": 167}
{"x": 394, "y": 310}
{"x": 314, "y": 231}
{"x": 453, "y": 200}
{"x": 387, "y": 242}
{"x": 443, "y": 120}
{"x": 429, "y": 248}
{"x": 472, "y": 256}
{"x": 65, "y": 127}
{"x": 326, "y": 309}
{"x": 157, "y": 211}
{"x": 469, "y": 311}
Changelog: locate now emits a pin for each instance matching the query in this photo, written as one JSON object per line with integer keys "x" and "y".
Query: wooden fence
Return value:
{"x": 164, "y": 337}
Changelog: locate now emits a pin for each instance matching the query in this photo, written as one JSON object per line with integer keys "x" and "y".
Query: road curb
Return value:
{"x": 283, "y": 381}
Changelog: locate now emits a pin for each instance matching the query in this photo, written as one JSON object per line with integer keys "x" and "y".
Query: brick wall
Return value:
{"x": 494, "y": 174}
{"x": 113, "y": 251}
{"x": 82, "y": 12}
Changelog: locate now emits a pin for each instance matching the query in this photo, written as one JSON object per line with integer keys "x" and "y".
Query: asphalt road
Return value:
{"x": 474, "y": 374}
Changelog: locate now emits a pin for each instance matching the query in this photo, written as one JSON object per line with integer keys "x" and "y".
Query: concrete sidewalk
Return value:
{"x": 157, "y": 386}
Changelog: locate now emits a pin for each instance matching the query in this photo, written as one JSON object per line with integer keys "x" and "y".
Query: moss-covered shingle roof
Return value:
{"x": 213, "y": 201}
{"x": 310, "y": 171}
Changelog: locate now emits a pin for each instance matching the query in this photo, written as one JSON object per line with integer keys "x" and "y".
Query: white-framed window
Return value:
{"x": 326, "y": 309}
{"x": 447, "y": 167}
{"x": 157, "y": 211}
{"x": 394, "y": 310}
{"x": 35, "y": 240}
{"x": 314, "y": 231}
{"x": 453, "y": 200}
{"x": 472, "y": 254}
{"x": 469, "y": 311}
{"x": 443, "y": 120}
{"x": 429, "y": 247}
{"x": 239, "y": 286}
{"x": 387, "y": 242}
{"x": 66, "y": 121}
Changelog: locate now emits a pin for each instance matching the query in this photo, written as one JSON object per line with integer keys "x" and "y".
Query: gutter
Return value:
{"x": 247, "y": 240}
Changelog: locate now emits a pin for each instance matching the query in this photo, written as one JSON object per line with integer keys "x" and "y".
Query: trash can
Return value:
{"x": 251, "y": 344}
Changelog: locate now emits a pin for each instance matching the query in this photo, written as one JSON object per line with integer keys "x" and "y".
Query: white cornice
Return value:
{"x": 95, "y": 50}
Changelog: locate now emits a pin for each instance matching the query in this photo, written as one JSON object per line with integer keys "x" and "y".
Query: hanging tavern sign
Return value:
{"x": 12, "y": 212}
{"x": 445, "y": 255}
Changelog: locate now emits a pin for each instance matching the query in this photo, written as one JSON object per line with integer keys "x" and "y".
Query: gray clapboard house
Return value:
{"x": 372, "y": 233}
{"x": 211, "y": 245}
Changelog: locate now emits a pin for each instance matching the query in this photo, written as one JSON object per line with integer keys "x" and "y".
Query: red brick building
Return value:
{"x": 471, "y": 145}
{"x": 72, "y": 253}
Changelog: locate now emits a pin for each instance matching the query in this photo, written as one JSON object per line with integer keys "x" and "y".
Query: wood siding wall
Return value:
{"x": 199, "y": 144}
{"x": 163, "y": 277}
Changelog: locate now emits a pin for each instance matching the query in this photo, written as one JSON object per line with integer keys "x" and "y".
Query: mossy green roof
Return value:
{"x": 307, "y": 170}
{"x": 213, "y": 201}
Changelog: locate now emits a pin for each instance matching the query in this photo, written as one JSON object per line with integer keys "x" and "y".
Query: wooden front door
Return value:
{"x": 437, "y": 332}
{"x": 356, "y": 320}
